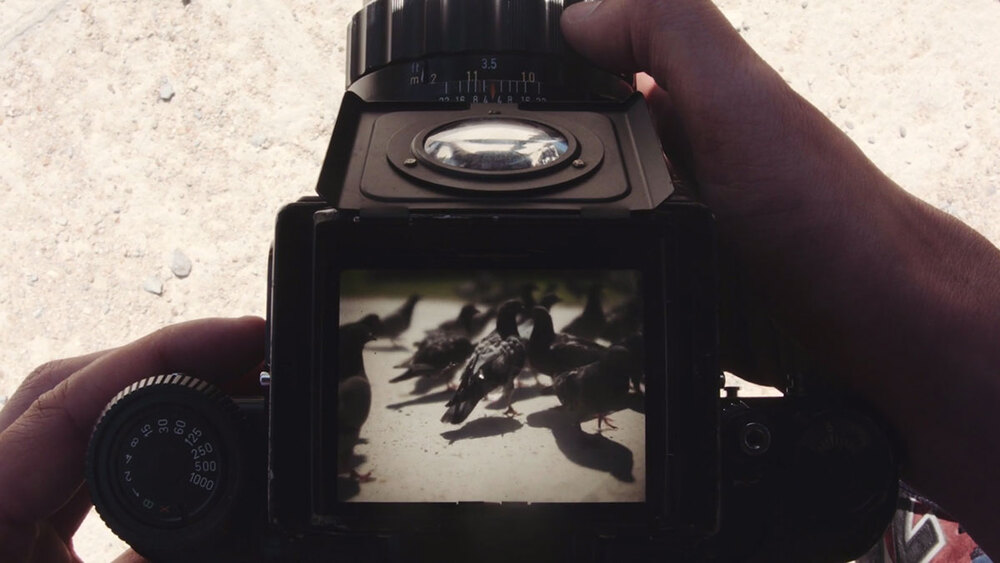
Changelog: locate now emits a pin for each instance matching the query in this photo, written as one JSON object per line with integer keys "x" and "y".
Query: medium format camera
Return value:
{"x": 495, "y": 335}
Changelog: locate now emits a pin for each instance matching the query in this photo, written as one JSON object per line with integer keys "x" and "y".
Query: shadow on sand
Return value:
{"x": 347, "y": 488}
{"x": 483, "y": 428}
{"x": 593, "y": 451}
{"x": 425, "y": 384}
{"x": 441, "y": 396}
{"x": 386, "y": 346}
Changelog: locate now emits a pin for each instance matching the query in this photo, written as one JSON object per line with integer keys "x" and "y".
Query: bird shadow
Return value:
{"x": 593, "y": 451}
{"x": 425, "y": 385}
{"x": 347, "y": 488}
{"x": 439, "y": 397}
{"x": 382, "y": 346}
{"x": 483, "y": 428}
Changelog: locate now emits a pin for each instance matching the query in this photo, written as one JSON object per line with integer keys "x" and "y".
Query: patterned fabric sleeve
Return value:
{"x": 920, "y": 532}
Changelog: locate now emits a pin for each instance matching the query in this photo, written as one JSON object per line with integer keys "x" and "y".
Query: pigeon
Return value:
{"x": 552, "y": 353}
{"x": 481, "y": 287}
{"x": 548, "y": 300}
{"x": 591, "y": 321}
{"x": 528, "y": 295}
{"x": 597, "y": 388}
{"x": 464, "y": 324}
{"x": 496, "y": 361}
{"x": 488, "y": 288}
{"x": 635, "y": 343}
{"x": 479, "y": 321}
{"x": 550, "y": 287}
{"x": 526, "y": 324}
{"x": 373, "y": 322}
{"x": 398, "y": 321}
{"x": 623, "y": 320}
{"x": 439, "y": 354}
{"x": 354, "y": 393}
{"x": 575, "y": 286}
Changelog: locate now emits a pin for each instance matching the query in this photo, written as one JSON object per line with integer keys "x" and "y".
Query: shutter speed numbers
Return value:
{"x": 476, "y": 79}
{"x": 182, "y": 452}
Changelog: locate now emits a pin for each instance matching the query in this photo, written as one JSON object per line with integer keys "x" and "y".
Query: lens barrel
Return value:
{"x": 472, "y": 51}
{"x": 389, "y": 31}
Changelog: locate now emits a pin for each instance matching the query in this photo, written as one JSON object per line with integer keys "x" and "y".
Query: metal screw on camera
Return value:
{"x": 755, "y": 438}
{"x": 579, "y": 163}
{"x": 410, "y": 162}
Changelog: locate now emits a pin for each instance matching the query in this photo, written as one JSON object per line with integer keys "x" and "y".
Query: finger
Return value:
{"x": 782, "y": 181}
{"x": 67, "y": 520}
{"x": 644, "y": 83}
{"x": 35, "y": 481}
{"x": 130, "y": 557}
{"x": 740, "y": 119}
{"x": 669, "y": 126}
{"x": 49, "y": 548}
{"x": 243, "y": 384}
{"x": 40, "y": 380}
{"x": 688, "y": 46}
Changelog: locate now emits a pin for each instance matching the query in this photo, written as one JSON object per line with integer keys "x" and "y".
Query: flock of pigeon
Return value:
{"x": 590, "y": 378}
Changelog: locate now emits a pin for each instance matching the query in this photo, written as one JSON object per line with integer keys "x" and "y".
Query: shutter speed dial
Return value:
{"x": 164, "y": 462}
{"x": 168, "y": 464}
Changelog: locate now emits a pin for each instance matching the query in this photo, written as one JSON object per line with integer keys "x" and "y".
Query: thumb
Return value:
{"x": 130, "y": 556}
{"x": 727, "y": 99}
{"x": 688, "y": 46}
{"x": 632, "y": 35}
{"x": 810, "y": 217}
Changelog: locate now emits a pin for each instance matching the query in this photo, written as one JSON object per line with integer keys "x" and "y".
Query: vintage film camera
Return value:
{"x": 476, "y": 159}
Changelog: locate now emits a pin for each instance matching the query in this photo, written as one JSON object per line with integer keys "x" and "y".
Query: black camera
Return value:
{"x": 498, "y": 261}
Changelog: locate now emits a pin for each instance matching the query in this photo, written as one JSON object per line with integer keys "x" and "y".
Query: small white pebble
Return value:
{"x": 153, "y": 285}
{"x": 180, "y": 264}
{"x": 166, "y": 91}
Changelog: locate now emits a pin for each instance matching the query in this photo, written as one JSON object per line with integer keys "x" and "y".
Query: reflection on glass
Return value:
{"x": 495, "y": 144}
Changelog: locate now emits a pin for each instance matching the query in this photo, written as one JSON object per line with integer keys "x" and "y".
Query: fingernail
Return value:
{"x": 581, "y": 11}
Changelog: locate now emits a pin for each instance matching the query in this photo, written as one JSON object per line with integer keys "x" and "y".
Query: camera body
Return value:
{"x": 464, "y": 153}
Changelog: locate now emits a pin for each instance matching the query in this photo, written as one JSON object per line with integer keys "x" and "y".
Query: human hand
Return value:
{"x": 897, "y": 299}
{"x": 812, "y": 219}
{"x": 46, "y": 424}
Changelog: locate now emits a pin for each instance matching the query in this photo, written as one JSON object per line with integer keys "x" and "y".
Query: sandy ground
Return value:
{"x": 132, "y": 130}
